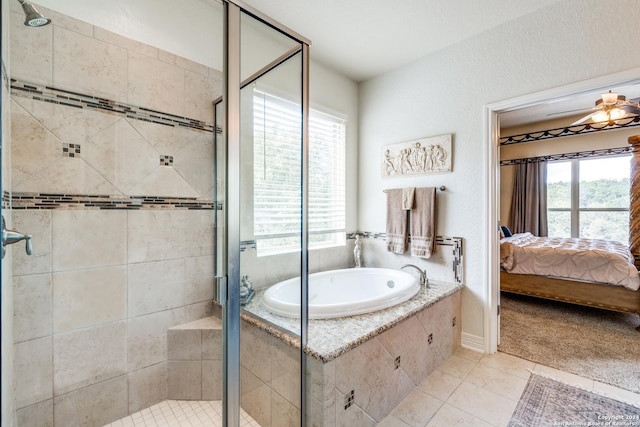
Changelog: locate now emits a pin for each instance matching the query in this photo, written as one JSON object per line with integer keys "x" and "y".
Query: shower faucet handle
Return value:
{"x": 10, "y": 237}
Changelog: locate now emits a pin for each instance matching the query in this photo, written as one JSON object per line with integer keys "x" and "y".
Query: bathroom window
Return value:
{"x": 589, "y": 198}
{"x": 277, "y": 168}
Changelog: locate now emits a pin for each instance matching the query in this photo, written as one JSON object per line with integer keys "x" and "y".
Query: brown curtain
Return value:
{"x": 529, "y": 199}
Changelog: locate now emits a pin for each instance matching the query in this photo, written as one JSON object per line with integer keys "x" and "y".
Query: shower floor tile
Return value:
{"x": 190, "y": 413}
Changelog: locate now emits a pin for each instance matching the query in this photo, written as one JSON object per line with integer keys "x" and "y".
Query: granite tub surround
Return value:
{"x": 359, "y": 367}
{"x": 330, "y": 338}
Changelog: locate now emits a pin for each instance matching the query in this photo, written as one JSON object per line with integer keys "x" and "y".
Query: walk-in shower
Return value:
{"x": 33, "y": 18}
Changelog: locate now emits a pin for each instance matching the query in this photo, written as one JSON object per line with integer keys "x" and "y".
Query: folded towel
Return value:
{"x": 396, "y": 222}
{"x": 407, "y": 198}
{"x": 423, "y": 223}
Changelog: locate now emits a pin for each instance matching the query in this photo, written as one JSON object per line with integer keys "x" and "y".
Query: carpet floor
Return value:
{"x": 596, "y": 344}
{"x": 545, "y": 402}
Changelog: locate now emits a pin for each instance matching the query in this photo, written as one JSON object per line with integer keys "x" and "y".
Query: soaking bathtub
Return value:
{"x": 339, "y": 293}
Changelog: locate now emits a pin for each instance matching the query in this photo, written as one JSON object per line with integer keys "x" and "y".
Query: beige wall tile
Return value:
{"x": 69, "y": 124}
{"x": 199, "y": 279}
{"x": 87, "y": 65}
{"x": 31, "y": 51}
{"x": 33, "y": 372}
{"x": 147, "y": 386}
{"x": 85, "y": 239}
{"x": 155, "y": 286}
{"x": 369, "y": 371}
{"x": 352, "y": 416}
{"x": 166, "y": 140}
{"x": 32, "y": 307}
{"x": 155, "y": 235}
{"x": 147, "y": 338}
{"x": 184, "y": 344}
{"x": 212, "y": 344}
{"x": 212, "y": 380}
{"x": 37, "y": 415}
{"x": 96, "y": 405}
{"x": 199, "y": 91}
{"x": 255, "y": 397}
{"x": 184, "y": 380}
{"x": 285, "y": 371}
{"x": 88, "y": 356}
{"x": 255, "y": 351}
{"x": 121, "y": 156}
{"x": 194, "y": 162}
{"x": 283, "y": 412}
{"x": 34, "y": 148}
{"x": 155, "y": 84}
{"x": 38, "y": 224}
{"x": 83, "y": 298}
{"x": 164, "y": 181}
{"x": 409, "y": 341}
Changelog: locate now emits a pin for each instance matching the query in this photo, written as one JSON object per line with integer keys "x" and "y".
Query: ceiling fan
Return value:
{"x": 610, "y": 106}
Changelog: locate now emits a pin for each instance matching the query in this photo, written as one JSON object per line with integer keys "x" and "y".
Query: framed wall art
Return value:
{"x": 421, "y": 156}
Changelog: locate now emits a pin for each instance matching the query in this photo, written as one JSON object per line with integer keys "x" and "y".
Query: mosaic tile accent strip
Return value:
{"x": 6, "y": 200}
{"x": 349, "y": 398}
{"x": 396, "y": 363}
{"x": 80, "y": 100}
{"x": 166, "y": 160}
{"x": 70, "y": 150}
{"x": 84, "y": 201}
{"x": 330, "y": 338}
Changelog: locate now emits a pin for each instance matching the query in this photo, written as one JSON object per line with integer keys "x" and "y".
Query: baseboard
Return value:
{"x": 473, "y": 342}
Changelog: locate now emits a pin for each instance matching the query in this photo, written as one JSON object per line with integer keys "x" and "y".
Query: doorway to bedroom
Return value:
{"x": 534, "y": 114}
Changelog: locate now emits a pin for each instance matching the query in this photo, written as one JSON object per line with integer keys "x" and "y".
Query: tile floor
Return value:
{"x": 469, "y": 389}
{"x": 183, "y": 413}
{"x": 474, "y": 389}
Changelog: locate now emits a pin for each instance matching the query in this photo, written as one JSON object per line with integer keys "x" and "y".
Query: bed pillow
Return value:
{"x": 506, "y": 231}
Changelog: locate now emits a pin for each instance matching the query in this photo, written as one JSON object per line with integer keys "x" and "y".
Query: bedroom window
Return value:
{"x": 589, "y": 198}
{"x": 277, "y": 160}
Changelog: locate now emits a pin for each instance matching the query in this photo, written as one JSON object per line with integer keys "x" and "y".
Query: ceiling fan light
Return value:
{"x": 600, "y": 116}
{"x": 617, "y": 113}
{"x": 610, "y": 98}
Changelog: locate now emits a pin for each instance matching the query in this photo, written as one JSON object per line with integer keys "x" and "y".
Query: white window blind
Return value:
{"x": 278, "y": 171}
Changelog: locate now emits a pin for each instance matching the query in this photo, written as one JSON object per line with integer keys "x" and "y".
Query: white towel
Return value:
{"x": 423, "y": 223}
{"x": 407, "y": 198}
{"x": 396, "y": 222}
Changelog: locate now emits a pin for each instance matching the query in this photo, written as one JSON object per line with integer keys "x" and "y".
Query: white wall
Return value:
{"x": 446, "y": 92}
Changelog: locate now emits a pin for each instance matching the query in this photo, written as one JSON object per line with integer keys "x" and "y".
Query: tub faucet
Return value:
{"x": 424, "y": 281}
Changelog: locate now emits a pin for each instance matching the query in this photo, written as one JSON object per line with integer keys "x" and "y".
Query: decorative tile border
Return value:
{"x": 80, "y": 100}
{"x": 166, "y": 160}
{"x": 85, "y": 201}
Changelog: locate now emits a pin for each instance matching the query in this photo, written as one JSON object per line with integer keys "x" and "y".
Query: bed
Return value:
{"x": 597, "y": 273}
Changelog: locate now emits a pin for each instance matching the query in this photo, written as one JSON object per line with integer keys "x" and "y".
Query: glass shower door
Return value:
{"x": 267, "y": 218}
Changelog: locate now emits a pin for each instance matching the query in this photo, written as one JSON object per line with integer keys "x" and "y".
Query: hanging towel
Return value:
{"x": 396, "y": 222}
{"x": 423, "y": 223}
{"x": 407, "y": 198}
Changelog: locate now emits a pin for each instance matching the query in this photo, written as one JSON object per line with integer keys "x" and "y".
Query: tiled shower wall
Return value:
{"x": 112, "y": 170}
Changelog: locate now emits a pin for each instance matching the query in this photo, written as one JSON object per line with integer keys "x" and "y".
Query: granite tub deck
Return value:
{"x": 359, "y": 367}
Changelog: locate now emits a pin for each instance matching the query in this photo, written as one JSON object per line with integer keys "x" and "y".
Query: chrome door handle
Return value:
{"x": 10, "y": 237}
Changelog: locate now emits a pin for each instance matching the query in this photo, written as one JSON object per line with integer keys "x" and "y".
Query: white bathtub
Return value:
{"x": 339, "y": 293}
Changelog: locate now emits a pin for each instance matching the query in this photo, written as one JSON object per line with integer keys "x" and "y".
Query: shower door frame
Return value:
{"x": 231, "y": 293}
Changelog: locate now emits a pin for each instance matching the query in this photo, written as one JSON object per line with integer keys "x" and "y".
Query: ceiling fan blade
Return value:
{"x": 631, "y": 109}
{"x": 584, "y": 119}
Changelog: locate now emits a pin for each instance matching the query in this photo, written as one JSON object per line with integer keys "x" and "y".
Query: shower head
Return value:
{"x": 33, "y": 18}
